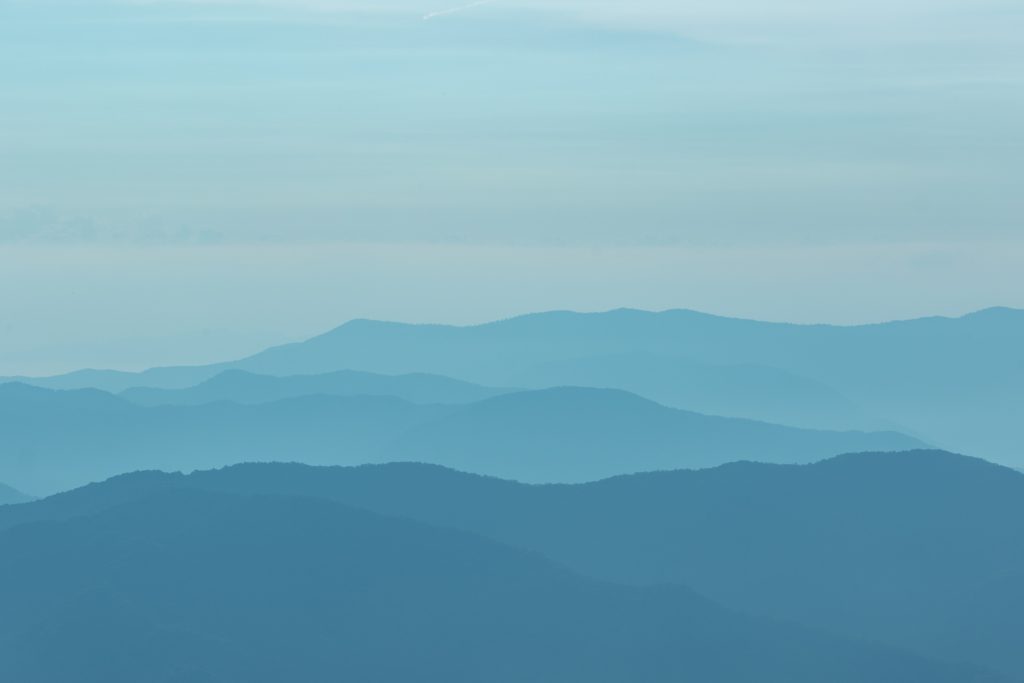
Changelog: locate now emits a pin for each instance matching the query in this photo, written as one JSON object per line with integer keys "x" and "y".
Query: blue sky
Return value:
{"x": 182, "y": 181}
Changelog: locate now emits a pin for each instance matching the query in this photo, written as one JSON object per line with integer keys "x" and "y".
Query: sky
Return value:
{"x": 193, "y": 181}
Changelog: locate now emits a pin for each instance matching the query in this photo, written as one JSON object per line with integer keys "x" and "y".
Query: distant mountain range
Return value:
{"x": 748, "y": 391}
{"x": 577, "y": 434}
{"x": 166, "y": 578}
{"x": 955, "y": 382}
{"x": 742, "y": 390}
{"x": 55, "y": 440}
{"x": 9, "y": 496}
{"x": 238, "y": 386}
{"x": 558, "y": 497}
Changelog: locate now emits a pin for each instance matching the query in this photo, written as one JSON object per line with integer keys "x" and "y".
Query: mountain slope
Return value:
{"x": 243, "y": 387}
{"x": 923, "y": 550}
{"x": 191, "y": 586}
{"x": 748, "y": 391}
{"x": 9, "y": 496}
{"x": 577, "y": 434}
{"x": 57, "y": 440}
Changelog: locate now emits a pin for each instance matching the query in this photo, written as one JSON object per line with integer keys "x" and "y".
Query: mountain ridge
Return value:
{"x": 166, "y": 585}
{"x": 866, "y": 545}
{"x": 59, "y": 440}
{"x": 953, "y": 381}
{"x": 987, "y": 312}
{"x": 240, "y": 386}
{"x": 12, "y": 496}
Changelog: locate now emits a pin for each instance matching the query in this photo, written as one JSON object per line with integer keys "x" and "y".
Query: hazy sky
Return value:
{"x": 186, "y": 181}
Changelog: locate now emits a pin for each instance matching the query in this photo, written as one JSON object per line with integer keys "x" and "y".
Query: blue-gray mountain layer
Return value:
{"x": 238, "y": 386}
{"x": 202, "y": 586}
{"x": 54, "y": 440}
{"x": 921, "y": 550}
{"x": 955, "y": 382}
{"x": 10, "y": 496}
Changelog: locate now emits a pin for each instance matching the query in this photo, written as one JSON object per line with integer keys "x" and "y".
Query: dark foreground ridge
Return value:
{"x": 190, "y": 585}
{"x": 923, "y": 551}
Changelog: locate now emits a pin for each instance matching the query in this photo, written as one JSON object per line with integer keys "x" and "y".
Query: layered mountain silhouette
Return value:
{"x": 955, "y": 382}
{"x": 238, "y": 386}
{"x": 921, "y": 550}
{"x": 56, "y": 440}
{"x": 578, "y": 434}
{"x": 194, "y": 585}
{"x": 9, "y": 496}
{"x": 749, "y": 391}
{"x": 664, "y": 498}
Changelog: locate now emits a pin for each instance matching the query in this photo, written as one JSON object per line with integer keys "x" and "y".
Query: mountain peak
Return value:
{"x": 996, "y": 312}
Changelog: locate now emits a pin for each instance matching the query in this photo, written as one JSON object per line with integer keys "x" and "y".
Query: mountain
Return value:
{"x": 114, "y": 381}
{"x": 955, "y": 381}
{"x": 577, "y": 434}
{"x": 748, "y": 391}
{"x": 952, "y": 381}
{"x": 921, "y": 550}
{"x": 9, "y": 496}
{"x": 245, "y": 387}
{"x": 196, "y": 586}
{"x": 55, "y": 440}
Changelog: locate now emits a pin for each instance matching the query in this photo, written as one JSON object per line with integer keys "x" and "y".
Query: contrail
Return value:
{"x": 453, "y": 10}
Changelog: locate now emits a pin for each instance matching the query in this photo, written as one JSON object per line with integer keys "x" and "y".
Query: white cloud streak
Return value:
{"x": 455, "y": 10}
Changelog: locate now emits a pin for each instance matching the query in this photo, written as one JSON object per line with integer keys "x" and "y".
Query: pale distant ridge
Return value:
{"x": 953, "y": 382}
{"x": 239, "y": 386}
{"x": 10, "y": 496}
{"x": 563, "y": 435}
